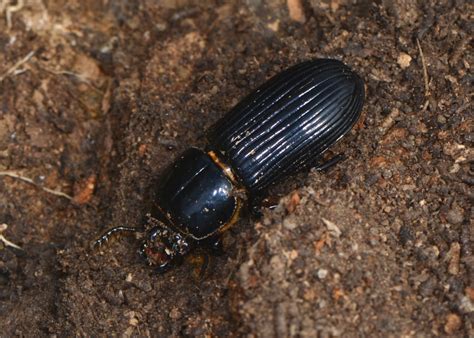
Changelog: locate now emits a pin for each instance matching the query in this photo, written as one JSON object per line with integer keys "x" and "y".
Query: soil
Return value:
{"x": 97, "y": 97}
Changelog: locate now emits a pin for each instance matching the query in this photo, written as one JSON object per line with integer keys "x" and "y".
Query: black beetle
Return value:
{"x": 281, "y": 128}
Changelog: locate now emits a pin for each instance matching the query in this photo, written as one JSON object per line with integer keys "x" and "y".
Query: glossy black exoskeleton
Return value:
{"x": 281, "y": 128}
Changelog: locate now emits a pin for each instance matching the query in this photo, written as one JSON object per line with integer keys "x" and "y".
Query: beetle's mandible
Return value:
{"x": 281, "y": 128}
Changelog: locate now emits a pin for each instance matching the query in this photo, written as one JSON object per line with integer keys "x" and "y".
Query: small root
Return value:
{"x": 5, "y": 241}
{"x": 16, "y": 175}
{"x": 17, "y": 65}
{"x": 9, "y": 10}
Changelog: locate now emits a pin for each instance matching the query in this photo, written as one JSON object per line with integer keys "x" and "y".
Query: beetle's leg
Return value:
{"x": 200, "y": 262}
{"x": 256, "y": 203}
{"x": 330, "y": 163}
{"x": 114, "y": 231}
{"x": 169, "y": 265}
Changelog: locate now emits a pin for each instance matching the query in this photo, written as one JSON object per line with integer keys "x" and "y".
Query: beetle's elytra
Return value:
{"x": 281, "y": 128}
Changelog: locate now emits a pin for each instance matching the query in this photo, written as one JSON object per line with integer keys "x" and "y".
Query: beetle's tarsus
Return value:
{"x": 331, "y": 162}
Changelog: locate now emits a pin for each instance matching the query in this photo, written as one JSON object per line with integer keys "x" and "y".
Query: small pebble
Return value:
{"x": 470, "y": 293}
{"x": 277, "y": 268}
{"x": 322, "y": 273}
{"x": 405, "y": 235}
{"x": 144, "y": 286}
{"x": 441, "y": 119}
{"x": 453, "y": 323}
{"x": 387, "y": 174}
{"x": 371, "y": 179}
{"x": 175, "y": 314}
{"x": 466, "y": 306}
{"x": 112, "y": 298}
{"x": 161, "y": 26}
{"x": 310, "y": 295}
{"x": 332, "y": 228}
{"x": 404, "y": 60}
{"x": 289, "y": 223}
{"x": 455, "y": 256}
{"x": 133, "y": 321}
{"x": 428, "y": 287}
{"x": 455, "y": 216}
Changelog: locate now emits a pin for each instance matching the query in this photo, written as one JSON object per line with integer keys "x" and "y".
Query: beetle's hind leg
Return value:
{"x": 201, "y": 259}
{"x": 259, "y": 201}
{"x": 330, "y": 163}
{"x": 113, "y": 232}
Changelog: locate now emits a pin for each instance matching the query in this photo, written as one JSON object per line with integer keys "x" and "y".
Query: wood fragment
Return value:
{"x": 5, "y": 241}
{"x": 454, "y": 258}
{"x": 296, "y": 9}
{"x": 425, "y": 70}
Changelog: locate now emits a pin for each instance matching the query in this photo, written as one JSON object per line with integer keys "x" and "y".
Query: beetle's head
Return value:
{"x": 162, "y": 246}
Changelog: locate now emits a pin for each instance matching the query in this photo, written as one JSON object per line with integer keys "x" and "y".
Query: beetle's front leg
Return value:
{"x": 210, "y": 247}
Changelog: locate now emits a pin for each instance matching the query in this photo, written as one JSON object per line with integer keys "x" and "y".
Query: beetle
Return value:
{"x": 283, "y": 127}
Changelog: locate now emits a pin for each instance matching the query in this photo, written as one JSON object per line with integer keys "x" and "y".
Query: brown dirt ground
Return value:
{"x": 109, "y": 92}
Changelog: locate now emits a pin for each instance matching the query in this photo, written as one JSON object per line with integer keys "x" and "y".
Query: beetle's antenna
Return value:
{"x": 113, "y": 231}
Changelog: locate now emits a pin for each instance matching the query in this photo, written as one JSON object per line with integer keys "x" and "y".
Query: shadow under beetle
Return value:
{"x": 283, "y": 127}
